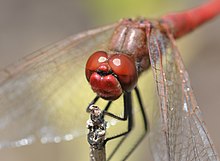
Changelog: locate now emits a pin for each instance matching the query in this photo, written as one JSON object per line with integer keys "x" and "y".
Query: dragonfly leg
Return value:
{"x": 142, "y": 109}
{"x": 127, "y": 115}
{"x": 92, "y": 103}
{"x": 145, "y": 128}
{"x": 127, "y": 112}
{"x": 144, "y": 121}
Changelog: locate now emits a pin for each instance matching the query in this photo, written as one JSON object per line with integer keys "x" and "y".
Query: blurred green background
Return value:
{"x": 27, "y": 25}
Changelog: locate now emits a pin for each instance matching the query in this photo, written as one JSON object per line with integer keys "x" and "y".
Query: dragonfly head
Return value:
{"x": 111, "y": 74}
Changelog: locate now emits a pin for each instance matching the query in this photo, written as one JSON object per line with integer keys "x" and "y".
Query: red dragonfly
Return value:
{"x": 179, "y": 133}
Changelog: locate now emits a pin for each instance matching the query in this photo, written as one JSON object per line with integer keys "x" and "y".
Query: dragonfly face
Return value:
{"x": 112, "y": 73}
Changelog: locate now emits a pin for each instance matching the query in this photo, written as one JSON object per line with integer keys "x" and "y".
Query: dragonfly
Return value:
{"x": 45, "y": 85}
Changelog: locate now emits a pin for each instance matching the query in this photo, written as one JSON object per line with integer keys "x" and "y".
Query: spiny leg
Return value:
{"x": 127, "y": 115}
{"x": 142, "y": 108}
{"x": 144, "y": 120}
{"x": 145, "y": 128}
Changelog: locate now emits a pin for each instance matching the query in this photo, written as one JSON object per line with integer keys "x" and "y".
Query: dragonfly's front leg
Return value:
{"x": 126, "y": 116}
{"x": 92, "y": 103}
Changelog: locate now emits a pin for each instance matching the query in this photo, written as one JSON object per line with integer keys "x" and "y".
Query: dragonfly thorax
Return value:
{"x": 130, "y": 38}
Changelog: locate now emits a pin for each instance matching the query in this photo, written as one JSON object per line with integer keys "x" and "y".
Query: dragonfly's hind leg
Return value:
{"x": 142, "y": 109}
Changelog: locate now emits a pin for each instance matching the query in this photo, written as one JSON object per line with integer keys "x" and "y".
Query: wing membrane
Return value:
{"x": 41, "y": 96}
{"x": 180, "y": 133}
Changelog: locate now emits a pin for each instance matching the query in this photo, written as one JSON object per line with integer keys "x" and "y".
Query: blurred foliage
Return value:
{"x": 113, "y": 10}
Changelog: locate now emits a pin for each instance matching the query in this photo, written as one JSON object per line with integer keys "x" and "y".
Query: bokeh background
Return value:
{"x": 27, "y": 25}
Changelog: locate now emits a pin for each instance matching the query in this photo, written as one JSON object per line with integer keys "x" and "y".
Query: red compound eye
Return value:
{"x": 110, "y": 75}
{"x": 124, "y": 67}
{"x": 101, "y": 78}
{"x": 94, "y": 62}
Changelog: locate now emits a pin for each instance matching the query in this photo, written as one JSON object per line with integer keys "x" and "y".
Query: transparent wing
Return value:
{"x": 179, "y": 132}
{"x": 45, "y": 95}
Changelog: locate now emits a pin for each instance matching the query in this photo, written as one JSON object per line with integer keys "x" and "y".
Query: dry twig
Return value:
{"x": 96, "y": 136}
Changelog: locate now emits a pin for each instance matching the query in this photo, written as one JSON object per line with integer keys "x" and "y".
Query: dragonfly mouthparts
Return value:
{"x": 105, "y": 73}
